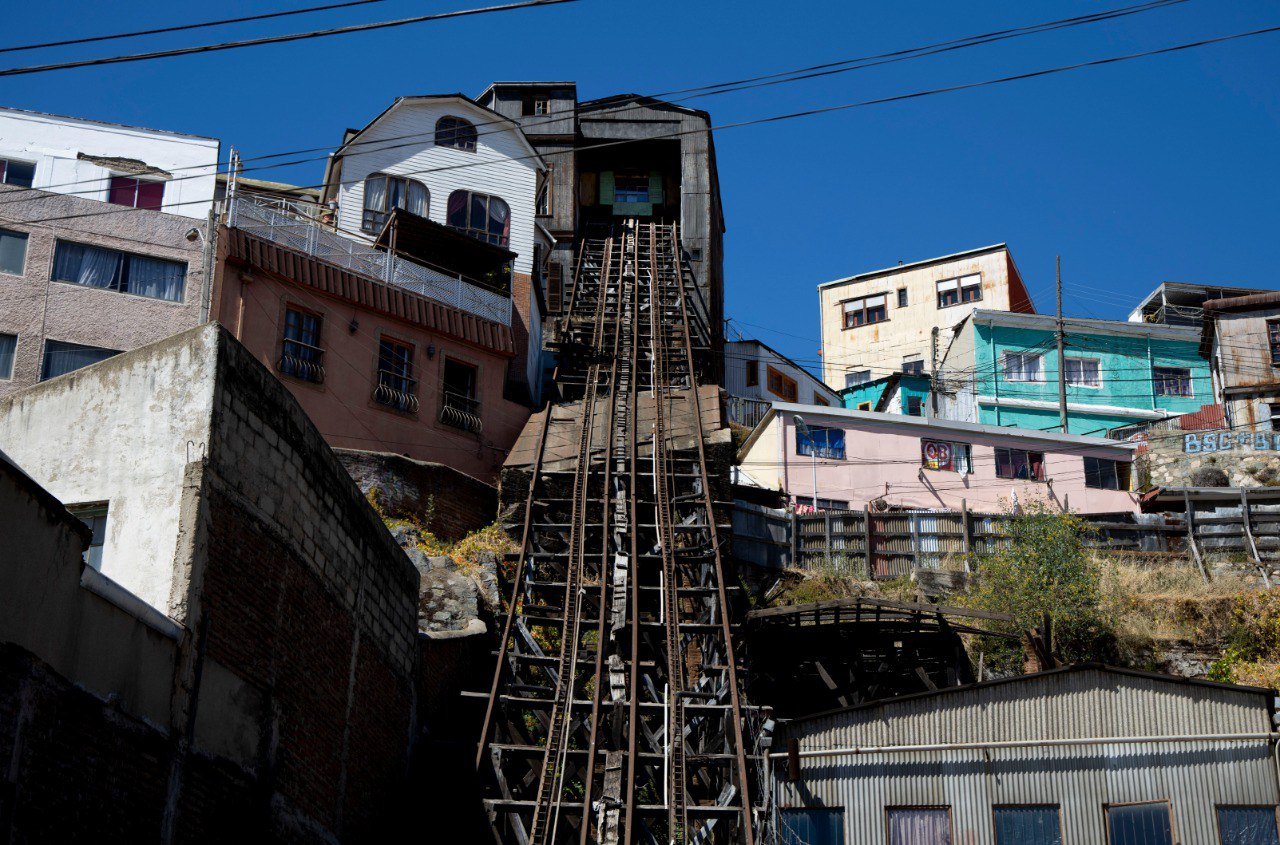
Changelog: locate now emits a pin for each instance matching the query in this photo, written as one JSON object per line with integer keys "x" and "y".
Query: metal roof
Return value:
{"x": 109, "y": 123}
{"x": 929, "y": 425}
{"x": 914, "y": 264}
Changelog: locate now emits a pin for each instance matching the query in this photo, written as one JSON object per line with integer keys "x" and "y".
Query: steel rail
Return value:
{"x": 730, "y": 658}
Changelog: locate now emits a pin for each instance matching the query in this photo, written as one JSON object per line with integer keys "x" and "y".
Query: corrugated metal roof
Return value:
{"x": 914, "y": 264}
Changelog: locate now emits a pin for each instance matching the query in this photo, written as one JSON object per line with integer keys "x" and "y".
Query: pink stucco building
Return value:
{"x": 916, "y": 462}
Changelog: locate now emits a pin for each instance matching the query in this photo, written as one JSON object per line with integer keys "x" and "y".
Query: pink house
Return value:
{"x": 916, "y": 462}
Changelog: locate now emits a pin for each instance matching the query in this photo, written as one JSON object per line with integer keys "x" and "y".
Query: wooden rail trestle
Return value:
{"x": 614, "y": 715}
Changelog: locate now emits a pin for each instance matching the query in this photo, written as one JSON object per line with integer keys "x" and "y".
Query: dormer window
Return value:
{"x": 480, "y": 216}
{"x": 455, "y": 132}
{"x": 383, "y": 193}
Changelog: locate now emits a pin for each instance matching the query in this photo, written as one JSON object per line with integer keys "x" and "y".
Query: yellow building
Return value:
{"x": 882, "y": 322}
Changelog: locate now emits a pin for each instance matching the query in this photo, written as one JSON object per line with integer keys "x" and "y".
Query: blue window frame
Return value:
{"x": 821, "y": 442}
{"x": 1248, "y": 826}
{"x": 1028, "y": 824}
{"x": 1139, "y": 824}
{"x": 813, "y": 826}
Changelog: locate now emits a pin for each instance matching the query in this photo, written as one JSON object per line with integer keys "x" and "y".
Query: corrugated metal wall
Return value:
{"x": 1193, "y": 776}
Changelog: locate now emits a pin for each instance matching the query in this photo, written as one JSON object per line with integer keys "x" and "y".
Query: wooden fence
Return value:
{"x": 891, "y": 544}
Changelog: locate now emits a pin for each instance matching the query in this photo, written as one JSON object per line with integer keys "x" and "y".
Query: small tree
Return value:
{"x": 1043, "y": 568}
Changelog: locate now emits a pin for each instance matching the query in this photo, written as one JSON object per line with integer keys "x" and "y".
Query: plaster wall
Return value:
{"x": 342, "y": 407}
{"x": 881, "y": 347}
{"x": 55, "y": 143}
{"x": 883, "y": 461}
{"x": 34, "y": 308}
{"x": 121, "y": 432}
{"x": 45, "y": 610}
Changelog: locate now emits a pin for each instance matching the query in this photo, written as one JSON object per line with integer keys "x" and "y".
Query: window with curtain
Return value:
{"x": 96, "y": 267}
{"x": 13, "y": 252}
{"x": 456, "y": 132}
{"x": 1083, "y": 372}
{"x": 1027, "y": 825}
{"x": 812, "y": 826}
{"x": 8, "y": 350}
{"x": 821, "y": 442}
{"x": 20, "y": 173}
{"x": 1139, "y": 824}
{"x": 920, "y": 826}
{"x": 136, "y": 193}
{"x": 61, "y": 358}
{"x": 956, "y": 291}
{"x": 480, "y": 216}
{"x": 1017, "y": 464}
{"x": 1171, "y": 381}
{"x": 866, "y": 310}
{"x": 301, "y": 355}
{"x": 1023, "y": 366}
{"x": 396, "y": 385}
{"x": 382, "y": 193}
{"x": 1248, "y": 825}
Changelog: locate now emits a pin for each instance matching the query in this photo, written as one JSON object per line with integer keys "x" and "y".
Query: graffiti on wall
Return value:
{"x": 1227, "y": 441}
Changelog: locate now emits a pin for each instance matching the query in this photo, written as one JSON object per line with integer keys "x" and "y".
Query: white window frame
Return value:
{"x": 1097, "y": 385}
{"x": 864, "y": 304}
{"x": 1007, "y": 371}
{"x": 1155, "y": 382}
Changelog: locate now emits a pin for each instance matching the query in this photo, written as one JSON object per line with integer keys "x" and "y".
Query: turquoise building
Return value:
{"x": 1001, "y": 368}
{"x": 898, "y": 393}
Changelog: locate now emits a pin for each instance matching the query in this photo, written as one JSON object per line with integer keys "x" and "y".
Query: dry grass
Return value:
{"x": 1164, "y": 603}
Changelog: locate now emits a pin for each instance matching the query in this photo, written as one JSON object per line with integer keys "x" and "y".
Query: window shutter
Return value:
{"x": 606, "y": 188}
{"x": 655, "y": 187}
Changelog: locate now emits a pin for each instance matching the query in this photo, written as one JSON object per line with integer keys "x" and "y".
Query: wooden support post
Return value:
{"x": 793, "y": 760}
{"x": 795, "y": 540}
{"x": 1191, "y": 536}
{"x": 866, "y": 540}
{"x": 826, "y": 530}
{"x": 968, "y": 533}
{"x": 1246, "y": 516}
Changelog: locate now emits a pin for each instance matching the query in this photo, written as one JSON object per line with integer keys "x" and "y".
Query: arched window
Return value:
{"x": 455, "y": 132}
{"x": 383, "y": 193}
{"x": 480, "y": 216}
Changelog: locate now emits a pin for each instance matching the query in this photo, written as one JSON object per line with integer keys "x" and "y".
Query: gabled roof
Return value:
{"x": 941, "y": 259}
{"x": 488, "y": 115}
{"x": 612, "y": 100}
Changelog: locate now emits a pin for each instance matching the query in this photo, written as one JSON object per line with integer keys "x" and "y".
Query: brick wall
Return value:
{"x": 449, "y": 503}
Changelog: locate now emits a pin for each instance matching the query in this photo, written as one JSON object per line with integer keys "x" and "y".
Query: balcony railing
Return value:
{"x": 280, "y": 222}
{"x": 745, "y": 411}
{"x": 396, "y": 391}
{"x": 460, "y": 412}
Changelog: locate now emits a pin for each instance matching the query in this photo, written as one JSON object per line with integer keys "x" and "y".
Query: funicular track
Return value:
{"x": 614, "y": 714}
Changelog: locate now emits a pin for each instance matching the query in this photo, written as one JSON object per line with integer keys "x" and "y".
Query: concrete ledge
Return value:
{"x": 103, "y": 587}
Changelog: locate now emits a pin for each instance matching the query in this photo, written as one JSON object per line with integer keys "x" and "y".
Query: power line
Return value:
{"x": 278, "y": 39}
{"x": 851, "y": 64}
{"x": 91, "y": 39}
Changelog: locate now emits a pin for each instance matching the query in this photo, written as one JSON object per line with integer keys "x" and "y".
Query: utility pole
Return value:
{"x": 1062, "y": 360}
{"x": 933, "y": 371}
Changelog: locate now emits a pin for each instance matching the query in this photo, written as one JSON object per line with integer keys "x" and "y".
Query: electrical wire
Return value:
{"x": 278, "y": 39}
{"x": 92, "y": 39}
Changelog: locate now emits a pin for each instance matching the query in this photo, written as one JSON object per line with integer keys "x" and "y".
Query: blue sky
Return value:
{"x": 1151, "y": 170}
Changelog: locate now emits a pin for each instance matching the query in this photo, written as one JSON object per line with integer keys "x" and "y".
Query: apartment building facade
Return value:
{"x": 892, "y": 320}
{"x": 104, "y": 240}
{"x": 756, "y": 375}
{"x": 1001, "y": 368}
{"x": 401, "y": 311}
{"x": 849, "y": 459}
